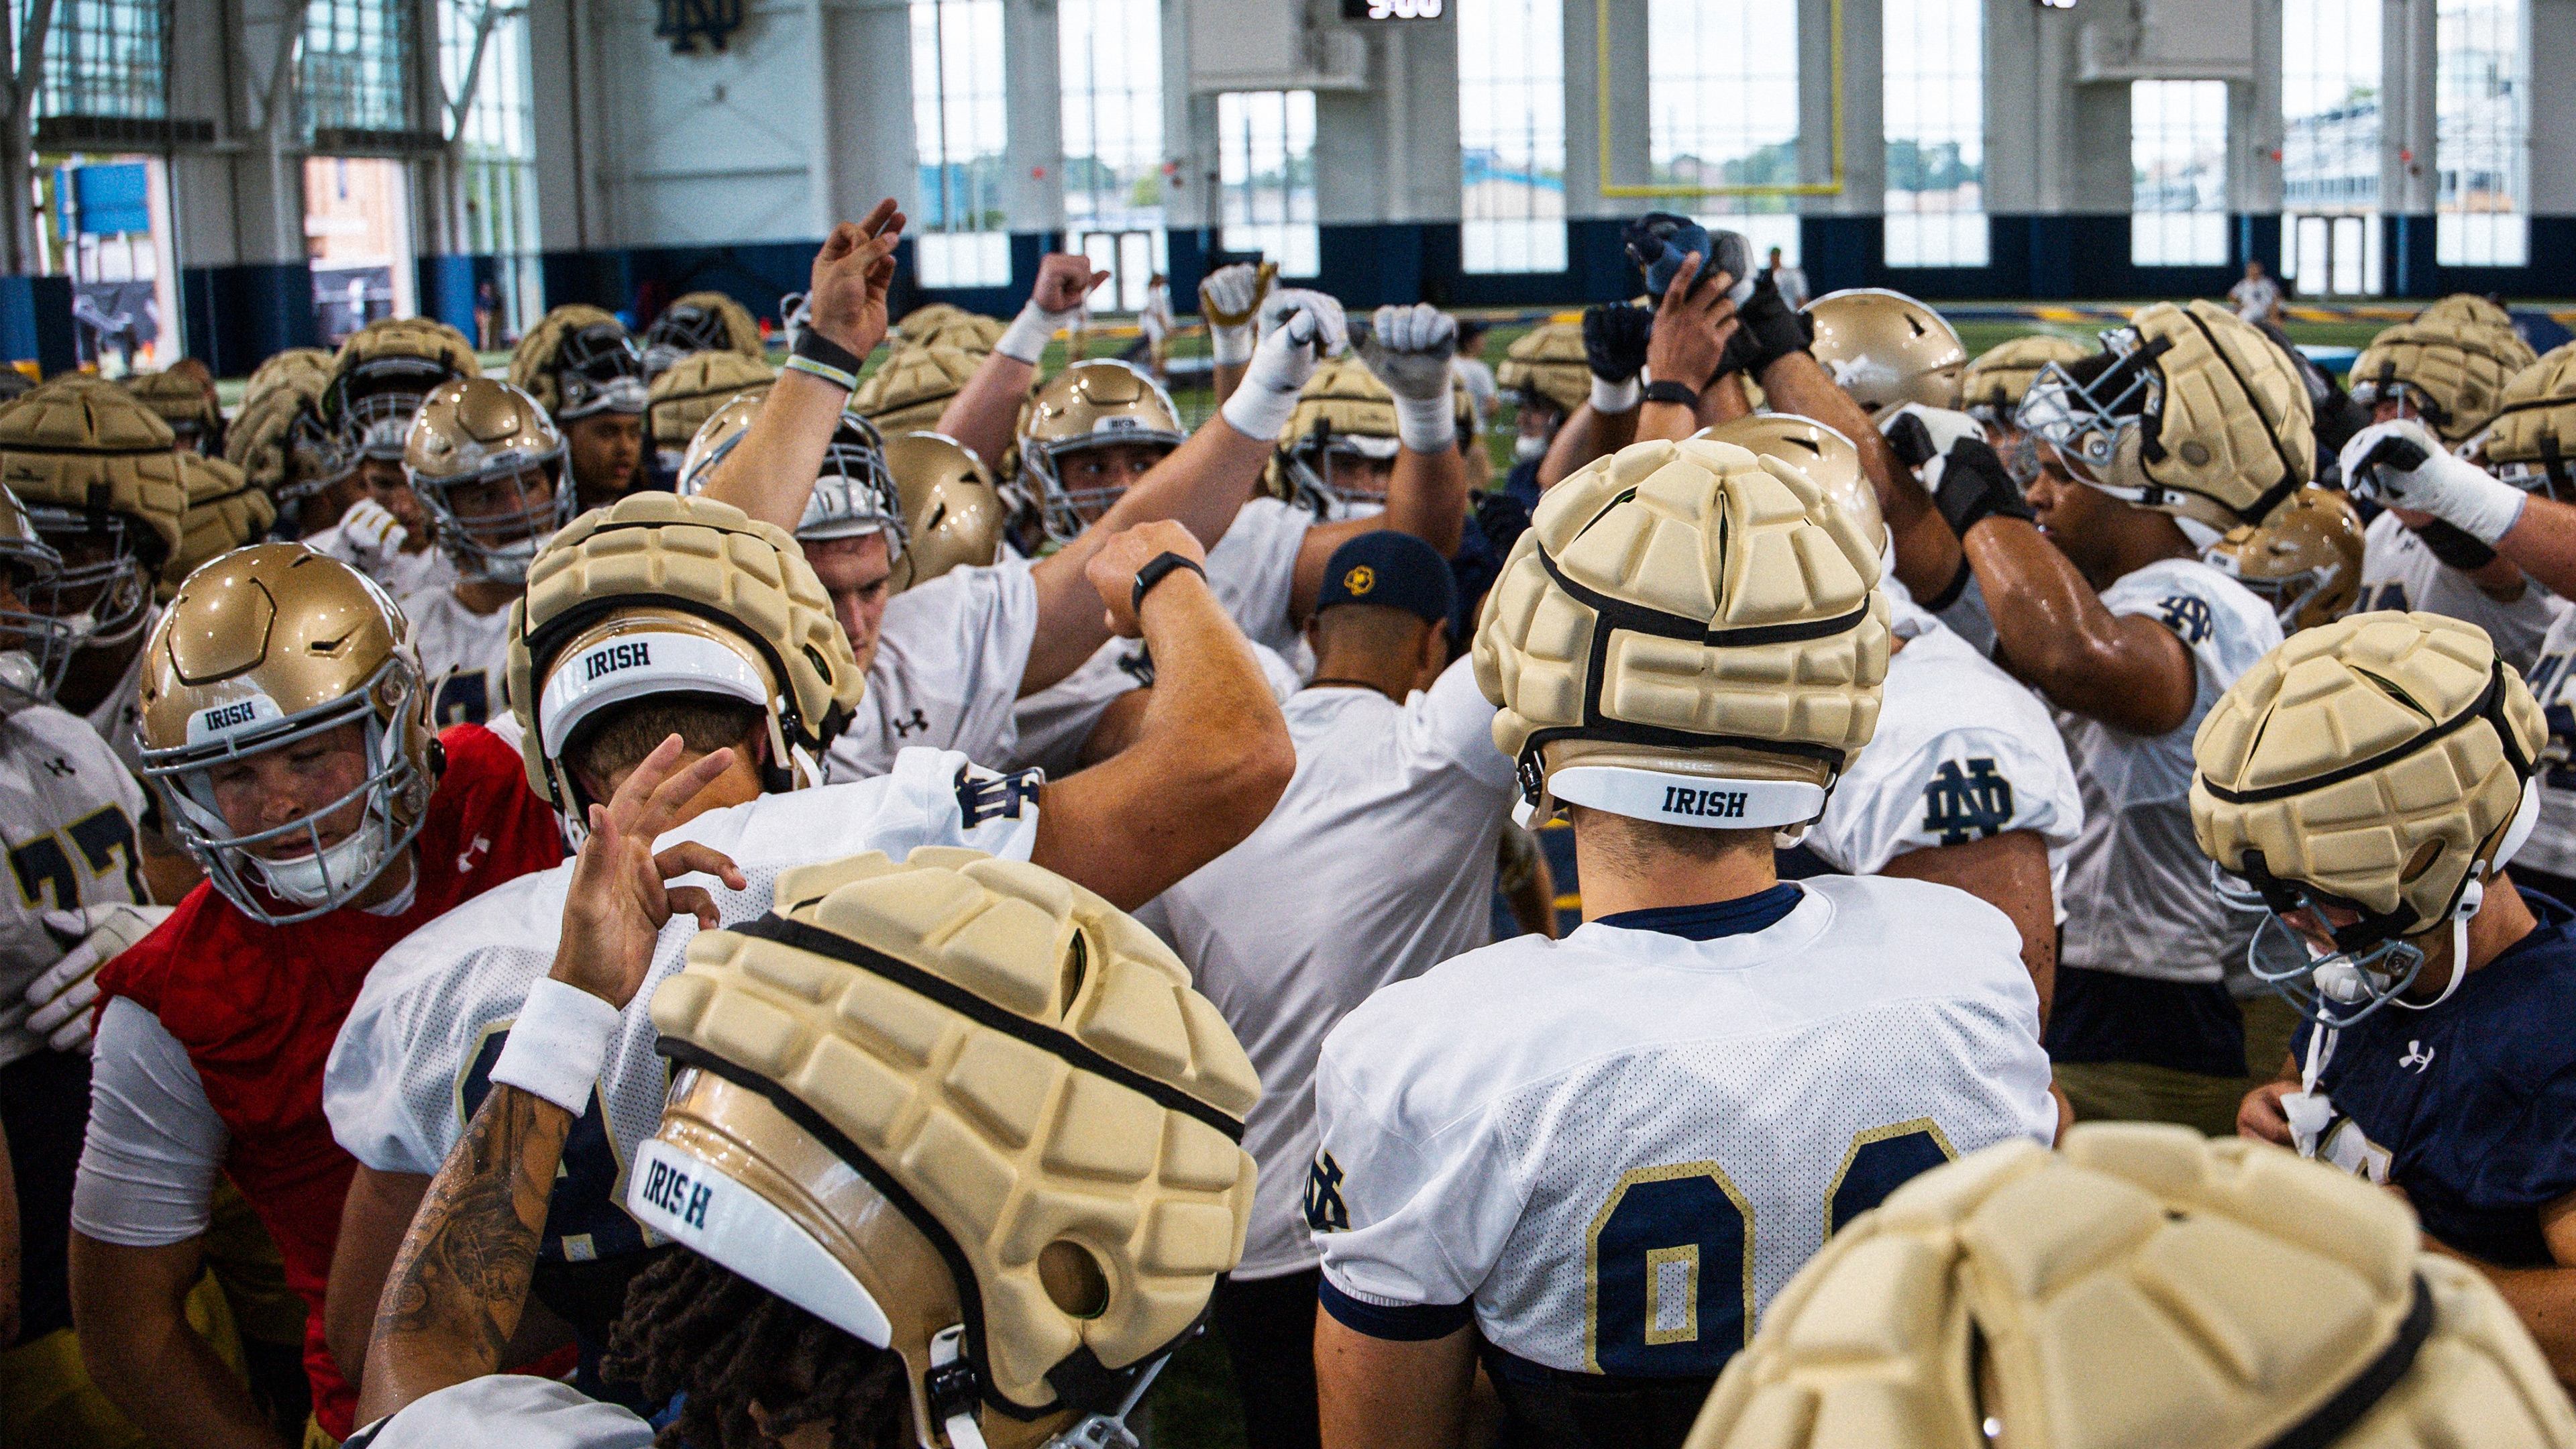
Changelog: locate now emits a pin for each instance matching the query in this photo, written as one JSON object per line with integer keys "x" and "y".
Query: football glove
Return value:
{"x": 1409, "y": 349}
{"x": 1614, "y": 348}
{"x": 2403, "y": 465}
{"x": 59, "y": 1001}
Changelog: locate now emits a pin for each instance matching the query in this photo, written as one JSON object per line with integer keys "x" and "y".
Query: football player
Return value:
{"x": 2036, "y": 1300}
{"x": 2539, "y": 534}
{"x": 687, "y": 392}
{"x": 984, "y": 413}
{"x": 2432, "y": 984}
{"x": 2103, "y": 605}
{"x": 276, "y": 439}
{"x": 488, "y": 466}
{"x": 1547, "y": 375}
{"x": 836, "y": 1281}
{"x": 285, "y": 728}
{"x": 378, "y": 380}
{"x": 185, "y": 399}
{"x": 584, "y": 370}
{"x": 1390, "y": 829}
{"x": 1600, "y": 1157}
{"x": 2443, "y": 379}
{"x": 100, "y": 481}
{"x": 700, "y": 322}
{"x": 1991, "y": 390}
{"x": 636, "y": 629}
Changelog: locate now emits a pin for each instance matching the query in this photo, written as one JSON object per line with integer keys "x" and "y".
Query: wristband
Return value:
{"x": 1426, "y": 424}
{"x": 2455, "y": 546}
{"x": 558, "y": 1044}
{"x": 1679, "y": 394}
{"x": 1026, "y": 339}
{"x": 1257, "y": 411}
{"x": 819, "y": 356}
{"x": 1158, "y": 568}
{"x": 1613, "y": 397}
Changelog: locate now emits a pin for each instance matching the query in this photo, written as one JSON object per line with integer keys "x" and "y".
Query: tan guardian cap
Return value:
{"x": 690, "y": 390}
{"x": 1687, "y": 634}
{"x": 1887, "y": 349}
{"x": 2453, "y": 373}
{"x": 963, "y": 1109}
{"x": 1993, "y": 385}
{"x": 911, "y": 388}
{"x": 183, "y": 401}
{"x": 225, "y": 511}
{"x": 1548, "y": 362}
{"x": 2532, "y": 440}
{"x": 2142, "y": 1287}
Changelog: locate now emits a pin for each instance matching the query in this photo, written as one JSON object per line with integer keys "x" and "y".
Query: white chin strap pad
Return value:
{"x": 1695, "y": 800}
{"x": 2525, "y": 816}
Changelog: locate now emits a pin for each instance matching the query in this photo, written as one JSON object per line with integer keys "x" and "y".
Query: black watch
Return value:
{"x": 1680, "y": 394}
{"x": 1156, "y": 569}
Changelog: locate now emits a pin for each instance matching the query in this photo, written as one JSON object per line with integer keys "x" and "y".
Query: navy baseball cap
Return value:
{"x": 1393, "y": 571}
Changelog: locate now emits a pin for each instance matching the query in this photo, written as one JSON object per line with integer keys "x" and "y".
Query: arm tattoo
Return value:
{"x": 461, "y": 1278}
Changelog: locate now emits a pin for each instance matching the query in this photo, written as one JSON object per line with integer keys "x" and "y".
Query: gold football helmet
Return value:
{"x": 2188, "y": 410}
{"x": 2304, "y": 560}
{"x": 663, "y": 594}
{"x": 963, "y": 1109}
{"x": 2382, "y": 765}
{"x": 99, "y": 477}
{"x": 911, "y": 388}
{"x": 1339, "y": 439}
{"x": 1887, "y": 349}
{"x": 1093, "y": 404}
{"x": 578, "y": 361}
{"x": 853, "y": 493}
{"x": 714, "y": 439}
{"x": 1830, "y": 460}
{"x": 953, "y": 514}
{"x": 263, "y": 649}
{"x": 2450, "y": 373}
{"x": 1547, "y": 363}
{"x": 184, "y": 402}
{"x": 225, "y": 511}
{"x": 701, "y": 322}
{"x": 2142, "y": 1286}
{"x": 2534, "y": 431}
{"x": 488, "y": 465}
{"x": 377, "y": 381}
{"x": 688, "y": 391}
{"x": 35, "y": 648}
{"x": 1746, "y": 651}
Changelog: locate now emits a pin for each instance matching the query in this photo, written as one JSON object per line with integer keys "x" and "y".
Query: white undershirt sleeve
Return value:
{"x": 148, "y": 1169}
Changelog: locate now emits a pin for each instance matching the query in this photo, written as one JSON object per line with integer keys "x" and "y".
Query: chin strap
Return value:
{"x": 953, "y": 1394}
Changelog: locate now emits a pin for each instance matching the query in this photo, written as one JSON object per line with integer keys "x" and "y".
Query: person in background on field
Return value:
{"x": 1791, "y": 281}
{"x": 1474, "y": 375}
{"x": 1156, "y": 323}
{"x": 2257, "y": 297}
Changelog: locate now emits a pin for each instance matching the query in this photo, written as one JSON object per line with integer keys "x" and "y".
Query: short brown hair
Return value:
{"x": 1636, "y": 843}
{"x": 618, "y": 739}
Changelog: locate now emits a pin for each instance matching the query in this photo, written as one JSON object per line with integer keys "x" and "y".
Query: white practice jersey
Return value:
{"x": 1253, "y": 571}
{"x": 118, "y": 718}
{"x": 399, "y": 574}
{"x": 1388, "y": 831}
{"x": 2398, "y": 571}
{"x": 414, "y": 1057}
{"x": 947, "y": 671}
{"x": 2552, "y": 846}
{"x": 2138, "y": 898}
{"x": 68, "y": 814}
{"x": 1963, "y": 752}
{"x": 1619, "y": 1146}
{"x": 519, "y": 1410}
{"x": 464, "y": 657}
{"x": 1053, "y": 724}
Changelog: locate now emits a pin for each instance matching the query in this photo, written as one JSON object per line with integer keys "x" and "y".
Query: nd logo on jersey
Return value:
{"x": 2187, "y": 617}
{"x": 1325, "y": 1211}
{"x": 1960, "y": 806}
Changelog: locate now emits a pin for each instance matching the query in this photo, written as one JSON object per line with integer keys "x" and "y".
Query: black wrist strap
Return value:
{"x": 1680, "y": 394}
{"x": 819, "y": 356}
{"x": 1156, "y": 569}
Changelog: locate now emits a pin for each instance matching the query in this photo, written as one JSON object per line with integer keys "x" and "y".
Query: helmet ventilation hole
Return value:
{"x": 1077, "y": 969}
{"x": 1073, "y": 1279}
{"x": 2423, "y": 859}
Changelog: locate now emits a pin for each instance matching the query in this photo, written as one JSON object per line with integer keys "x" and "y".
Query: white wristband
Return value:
{"x": 1615, "y": 397}
{"x": 558, "y": 1043}
{"x": 1026, "y": 339}
{"x": 1258, "y": 412}
{"x": 2480, "y": 504}
{"x": 1426, "y": 424}
{"x": 1231, "y": 346}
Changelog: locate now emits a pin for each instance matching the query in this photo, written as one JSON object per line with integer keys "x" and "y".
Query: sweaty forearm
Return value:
{"x": 130, "y": 1308}
{"x": 2542, "y": 543}
{"x": 461, "y": 1278}
{"x": 985, "y": 413}
{"x": 770, "y": 474}
{"x": 1426, "y": 496}
{"x": 1585, "y": 436}
{"x": 1724, "y": 400}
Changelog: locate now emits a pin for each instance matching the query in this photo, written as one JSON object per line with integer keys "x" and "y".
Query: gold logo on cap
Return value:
{"x": 1360, "y": 579}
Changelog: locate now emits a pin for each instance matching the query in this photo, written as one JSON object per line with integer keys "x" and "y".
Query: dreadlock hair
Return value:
{"x": 696, "y": 1327}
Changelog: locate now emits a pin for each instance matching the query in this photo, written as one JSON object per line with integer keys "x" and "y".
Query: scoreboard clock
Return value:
{"x": 1392, "y": 9}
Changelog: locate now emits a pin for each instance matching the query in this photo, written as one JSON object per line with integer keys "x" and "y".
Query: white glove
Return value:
{"x": 1945, "y": 426}
{"x": 2411, "y": 469}
{"x": 59, "y": 1001}
{"x": 1299, "y": 329}
{"x": 1229, "y": 297}
{"x": 1409, "y": 348}
{"x": 371, "y": 527}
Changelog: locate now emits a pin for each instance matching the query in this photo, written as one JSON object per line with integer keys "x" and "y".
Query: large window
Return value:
{"x": 1266, "y": 164}
{"x": 483, "y": 57}
{"x": 1511, "y": 135}
{"x": 958, "y": 123}
{"x": 1936, "y": 133}
{"x": 2330, "y": 119}
{"x": 103, "y": 58}
{"x": 2178, "y": 173}
{"x": 1722, "y": 111}
{"x": 1111, "y": 69}
{"x": 2482, "y": 133}
{"x": 356, "y": 68}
